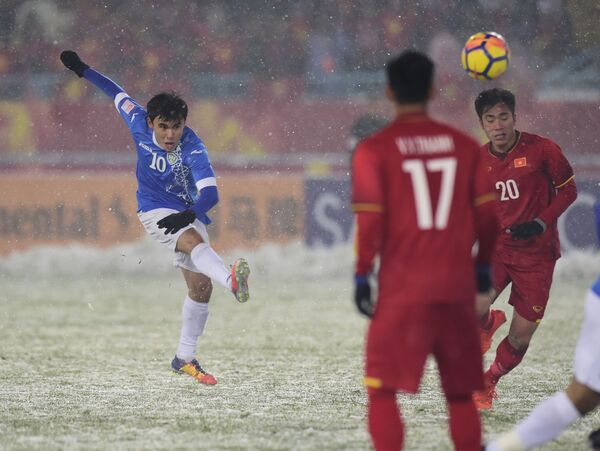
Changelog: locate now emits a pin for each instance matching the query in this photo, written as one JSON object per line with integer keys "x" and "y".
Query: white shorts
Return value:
{"x": 149, "y": 220}
{"x": 587, "y": 353}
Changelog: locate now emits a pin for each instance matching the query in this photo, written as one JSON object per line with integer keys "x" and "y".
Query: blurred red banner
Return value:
{"x": 274, "y": 127}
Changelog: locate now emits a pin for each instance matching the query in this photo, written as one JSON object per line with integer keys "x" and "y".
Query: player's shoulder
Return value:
{"x": 538, "y": 141}
{"x": 190, "y": 137}
{"x": 191, "y": 143}
{"x": 463, "y": 145}
{"x": 127, "y": 104}
{"x": 372, "y": 141}
{"x": 458, "y": 135}
{"x": 132, "y": 112}
{"x": 422, "y": 130}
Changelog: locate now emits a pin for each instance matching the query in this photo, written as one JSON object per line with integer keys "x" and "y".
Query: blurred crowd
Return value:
{"x": 278, "y": 37}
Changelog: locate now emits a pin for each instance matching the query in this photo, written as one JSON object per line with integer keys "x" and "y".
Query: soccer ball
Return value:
{"x": 485, "y": 56}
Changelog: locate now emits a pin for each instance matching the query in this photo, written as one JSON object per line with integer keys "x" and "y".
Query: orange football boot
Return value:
{"x": 483, "y": 399}
{"x": 193, "y": 369}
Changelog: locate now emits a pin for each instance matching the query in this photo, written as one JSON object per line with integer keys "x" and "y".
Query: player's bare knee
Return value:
{"x": 188, "y": 241}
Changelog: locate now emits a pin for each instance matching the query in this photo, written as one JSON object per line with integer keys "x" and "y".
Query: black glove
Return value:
{"x": 177, "y": 221}
{"x": 484, "y": 278}
{"x": 594, "y": 440}
{"x": 526, "y": 230}
{"x": 72, "y": 61}
{"x": 362, "y": 295}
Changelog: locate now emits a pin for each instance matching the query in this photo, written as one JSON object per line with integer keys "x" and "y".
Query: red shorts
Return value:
{"x": 531, "y": 282}
{"x": 401, "y": 337}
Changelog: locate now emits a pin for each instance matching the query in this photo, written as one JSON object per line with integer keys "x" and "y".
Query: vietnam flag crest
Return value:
{"x": 520, "y": 162}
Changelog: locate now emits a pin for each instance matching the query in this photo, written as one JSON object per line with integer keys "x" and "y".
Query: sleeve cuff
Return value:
{"x": 542, "y": 223}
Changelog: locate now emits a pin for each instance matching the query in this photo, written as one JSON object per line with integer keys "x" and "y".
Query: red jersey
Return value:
{"x": 422, "y": 179}
{"x": 532, "y": 180}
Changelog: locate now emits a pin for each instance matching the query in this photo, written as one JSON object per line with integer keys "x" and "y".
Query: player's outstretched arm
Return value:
{"x": 73, "y": 62}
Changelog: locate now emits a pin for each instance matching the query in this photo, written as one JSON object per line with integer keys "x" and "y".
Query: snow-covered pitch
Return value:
{"x": 87, "y": 336}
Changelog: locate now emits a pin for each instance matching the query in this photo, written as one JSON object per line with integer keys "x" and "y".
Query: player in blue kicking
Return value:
{"x": 551, "y": 417}
{"x": 176, "y": 189}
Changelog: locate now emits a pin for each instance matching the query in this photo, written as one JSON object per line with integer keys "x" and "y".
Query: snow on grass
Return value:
{"x": 86, "y": 338}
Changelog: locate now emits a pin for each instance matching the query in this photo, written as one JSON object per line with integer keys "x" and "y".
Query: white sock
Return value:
{"x": 547, "y": 420}
{"x": 210, "y": 264}
{"x": 507, "y": 442}
{"x": 543, "y": 424}
{"x": 193, "y": 319}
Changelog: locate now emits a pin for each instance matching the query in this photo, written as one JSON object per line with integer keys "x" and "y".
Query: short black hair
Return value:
{"x": 490, "y": 97}
{"x": 410, "y": 76}
{"x": 168, "y": 105}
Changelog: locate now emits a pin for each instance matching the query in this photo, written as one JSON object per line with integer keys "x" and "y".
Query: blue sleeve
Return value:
{"x": 209, "y": 197}
{"x": 197, "y": 160}
{"x": 102, "y": 82}
{"x": 202, "y": 175}
{"x": 131, "y": 112}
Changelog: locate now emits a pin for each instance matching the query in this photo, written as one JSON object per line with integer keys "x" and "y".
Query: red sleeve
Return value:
{"x": 561, "y": 174}
{"x": 367, "y": 204}
{"x": 368, "y": 240}
{"x": 486, "y": 215}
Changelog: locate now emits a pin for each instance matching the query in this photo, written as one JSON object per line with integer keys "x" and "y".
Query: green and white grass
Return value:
{"x": 86, "y": 339}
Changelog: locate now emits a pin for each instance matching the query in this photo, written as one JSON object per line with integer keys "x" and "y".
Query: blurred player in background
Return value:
{"x": 364, "y": 126}
{"x": 176, "y": 189}
{"x": 551, "y": 417}
{"x": 534, "y": 183}
{"x": 421, "y": 201}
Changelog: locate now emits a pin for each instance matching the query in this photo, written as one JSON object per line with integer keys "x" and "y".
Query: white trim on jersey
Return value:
{"x": 120, "y": 96}
{"x": 208, "y": 181}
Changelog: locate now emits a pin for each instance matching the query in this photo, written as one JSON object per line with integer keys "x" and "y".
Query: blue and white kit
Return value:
{"x": 179, "y": 180}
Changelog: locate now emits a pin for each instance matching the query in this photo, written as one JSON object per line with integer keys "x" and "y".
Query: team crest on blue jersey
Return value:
{"x": 171, "y": 158}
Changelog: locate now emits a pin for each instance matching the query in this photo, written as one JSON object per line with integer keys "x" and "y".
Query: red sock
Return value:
{"x": 506, "y": 359}
{"x": 486, "y": 321}
{"x": 465, "y": 427}
{"x": 385, "y": 424}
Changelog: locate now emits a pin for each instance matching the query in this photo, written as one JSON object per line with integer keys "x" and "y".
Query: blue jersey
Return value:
{"x": 165, "y": 179}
